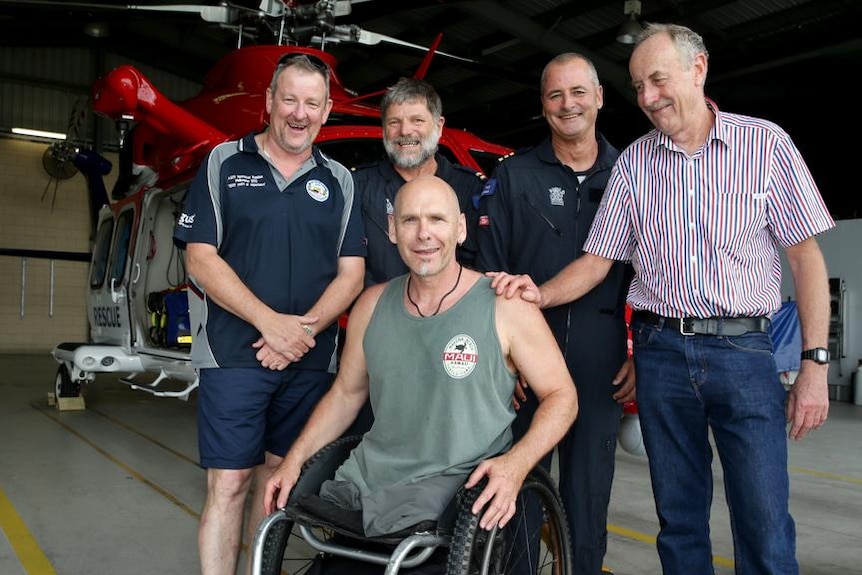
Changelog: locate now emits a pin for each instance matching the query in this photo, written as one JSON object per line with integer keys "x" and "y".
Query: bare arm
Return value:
{"x": 528, "y": 343}
{"x": 222, "y": 284}
{"x": 340, "y": 293}
{"x": 575, "y": 280}
{"x": 808, "y": 402}
{"x": 570, "y": 284}
{"x": 334, "y": 301}
{"x": 335, "y": 411}
{"x": 283, "y": 333}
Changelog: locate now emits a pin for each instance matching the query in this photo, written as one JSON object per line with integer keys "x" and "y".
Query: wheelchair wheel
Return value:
{"x": 515, "y": 548}
{"x": 285, "y": 550}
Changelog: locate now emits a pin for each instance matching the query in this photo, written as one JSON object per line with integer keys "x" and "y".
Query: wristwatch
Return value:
{"x": 817, "y": 355}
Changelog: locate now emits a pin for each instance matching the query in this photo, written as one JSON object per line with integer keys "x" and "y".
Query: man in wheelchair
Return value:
{"x": 439, "y": 355}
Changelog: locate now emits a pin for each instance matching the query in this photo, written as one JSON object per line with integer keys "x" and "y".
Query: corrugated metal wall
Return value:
{"x": 40, "y": 88}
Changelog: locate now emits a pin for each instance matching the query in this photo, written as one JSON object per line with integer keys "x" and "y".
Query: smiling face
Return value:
{"x": 410, "y": 133}
{"x": 669, "y": 90}
{"x": 297, "y": 108}
{"x": 427, "y": 225}
{"x": 571, "y": 99}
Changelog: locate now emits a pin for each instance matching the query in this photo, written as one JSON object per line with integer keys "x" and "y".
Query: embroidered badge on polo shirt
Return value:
{"x": 460, "y": 356}
{"x": 186, "y": 220}
{"x": 317, "y": 190}
{"x": 556, "y": 195}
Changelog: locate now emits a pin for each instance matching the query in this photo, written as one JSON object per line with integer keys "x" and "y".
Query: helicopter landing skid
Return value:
{"x": 152, "y": 388}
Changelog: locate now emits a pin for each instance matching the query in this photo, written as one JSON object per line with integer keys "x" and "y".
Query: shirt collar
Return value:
{"x": 248, "y": 144}
{"x": 718, "y": 132}
{"x": 719, "y": 129}
{"x": 604, "y": 160}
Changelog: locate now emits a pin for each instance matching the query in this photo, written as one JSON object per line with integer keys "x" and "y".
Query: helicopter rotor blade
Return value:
{"x": 353, "y": 33}
{"x": 216, "y": 14}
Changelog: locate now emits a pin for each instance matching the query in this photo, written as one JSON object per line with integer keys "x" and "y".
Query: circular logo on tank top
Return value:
{"x": 317, "y": 190}
{"x": 460, "y": 356}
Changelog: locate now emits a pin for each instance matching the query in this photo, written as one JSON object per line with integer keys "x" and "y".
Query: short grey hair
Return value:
{"x": 565, "y": 58}
{"x": 303, "y": 62}
{"x": 412, "y": 90}
{"x": 688, "y": 43}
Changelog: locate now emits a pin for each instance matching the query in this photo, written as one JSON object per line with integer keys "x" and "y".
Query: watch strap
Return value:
{"x": 818, "y": 355}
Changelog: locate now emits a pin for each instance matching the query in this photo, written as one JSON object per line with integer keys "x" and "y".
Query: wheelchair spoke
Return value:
{"x": 535, "y": 541}
{"x": 299, "y": 555}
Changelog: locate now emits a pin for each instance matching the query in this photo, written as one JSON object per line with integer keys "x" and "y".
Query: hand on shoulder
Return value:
{"x": 509, "y": 285}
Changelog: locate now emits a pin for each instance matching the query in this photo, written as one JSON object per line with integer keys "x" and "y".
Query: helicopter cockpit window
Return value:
{"x": 100, "y": 253}
{"x": 121, "y": 245}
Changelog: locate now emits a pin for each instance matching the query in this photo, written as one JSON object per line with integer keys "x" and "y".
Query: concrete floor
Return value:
{"x": 116, "y": 489}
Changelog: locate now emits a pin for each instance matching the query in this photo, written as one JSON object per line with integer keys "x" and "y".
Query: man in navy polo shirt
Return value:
{"x": 274, "y": 247}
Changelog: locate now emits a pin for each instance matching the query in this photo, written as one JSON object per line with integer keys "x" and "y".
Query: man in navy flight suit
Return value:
{"x": 534, "y": 215}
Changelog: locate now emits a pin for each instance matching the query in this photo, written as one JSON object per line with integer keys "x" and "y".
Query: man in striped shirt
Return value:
{"x": 699, "y": 206}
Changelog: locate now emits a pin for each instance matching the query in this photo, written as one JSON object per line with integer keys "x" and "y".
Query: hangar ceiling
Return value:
{"x": 791, "y": 61}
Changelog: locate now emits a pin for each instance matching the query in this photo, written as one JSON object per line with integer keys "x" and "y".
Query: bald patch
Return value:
{"x": 430, "y": 187}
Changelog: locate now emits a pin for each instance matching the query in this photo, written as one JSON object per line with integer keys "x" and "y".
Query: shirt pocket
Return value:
{"x": 735, "y": 213}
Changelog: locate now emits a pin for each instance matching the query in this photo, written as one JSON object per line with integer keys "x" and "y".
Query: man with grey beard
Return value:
{"x": 412, "y": 124}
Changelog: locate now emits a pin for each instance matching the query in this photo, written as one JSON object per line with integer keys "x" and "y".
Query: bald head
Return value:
{"x": 427, "y": 224}
{"x": 433, "y": 189}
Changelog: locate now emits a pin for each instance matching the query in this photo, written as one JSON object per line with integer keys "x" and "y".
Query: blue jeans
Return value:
{"x": 686, "y": 386}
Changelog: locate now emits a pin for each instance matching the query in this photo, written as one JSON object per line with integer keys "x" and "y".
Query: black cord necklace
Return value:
{"x": 436, "y": 311}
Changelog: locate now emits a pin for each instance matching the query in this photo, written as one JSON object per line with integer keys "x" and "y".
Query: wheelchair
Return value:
{"x": 289, "y": 539}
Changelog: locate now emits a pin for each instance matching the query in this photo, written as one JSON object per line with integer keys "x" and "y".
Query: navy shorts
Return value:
{"x": 244, "y": 412}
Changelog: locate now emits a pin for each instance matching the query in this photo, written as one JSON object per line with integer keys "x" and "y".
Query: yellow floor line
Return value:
{"x": 825, "y": 475}
{"x": 616, "y": 529}
{"x": 644, "y": 538}
{"x": 134, "y": 473}
{"x": 29, "y": 553}
{"x": 152, "y": 440}
{"x": 151, "y": 484}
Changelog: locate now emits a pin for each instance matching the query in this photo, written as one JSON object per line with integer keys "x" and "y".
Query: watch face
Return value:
{"x": 818, "y": 355}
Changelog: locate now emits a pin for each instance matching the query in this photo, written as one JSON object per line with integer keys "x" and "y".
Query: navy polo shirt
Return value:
{"x": 282, "y": 237}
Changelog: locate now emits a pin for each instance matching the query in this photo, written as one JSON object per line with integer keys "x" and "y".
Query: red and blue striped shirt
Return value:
{"x": 702, "y": 231}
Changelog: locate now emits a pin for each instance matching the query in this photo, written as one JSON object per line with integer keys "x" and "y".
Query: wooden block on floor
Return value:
{"x": 70, "y": 403}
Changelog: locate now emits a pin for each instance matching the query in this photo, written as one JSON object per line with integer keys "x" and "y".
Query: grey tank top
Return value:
{"x": 442, "y": 398}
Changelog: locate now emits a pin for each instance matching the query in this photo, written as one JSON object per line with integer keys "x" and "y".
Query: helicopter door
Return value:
{"x": 108, "y": 301}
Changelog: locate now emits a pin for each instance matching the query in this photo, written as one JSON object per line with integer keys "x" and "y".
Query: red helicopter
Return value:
{"x": 137, "y": 304}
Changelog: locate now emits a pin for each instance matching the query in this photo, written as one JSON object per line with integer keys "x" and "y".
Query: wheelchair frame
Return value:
{"x": 472, "y": 550}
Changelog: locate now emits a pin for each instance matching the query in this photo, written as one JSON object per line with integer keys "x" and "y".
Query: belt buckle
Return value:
{"x": 682, "y": 326}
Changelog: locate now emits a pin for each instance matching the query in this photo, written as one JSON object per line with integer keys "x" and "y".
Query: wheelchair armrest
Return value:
{"x": 322, "y": 466}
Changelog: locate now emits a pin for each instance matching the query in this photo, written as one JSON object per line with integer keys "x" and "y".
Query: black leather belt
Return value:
{"x": 705, "y": 326}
